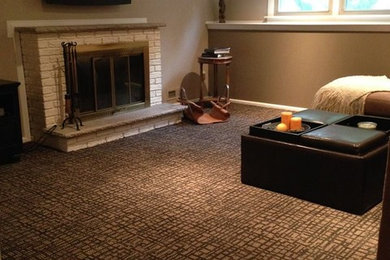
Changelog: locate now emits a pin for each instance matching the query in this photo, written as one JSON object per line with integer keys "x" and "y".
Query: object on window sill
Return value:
{"x": 222, "y": 8}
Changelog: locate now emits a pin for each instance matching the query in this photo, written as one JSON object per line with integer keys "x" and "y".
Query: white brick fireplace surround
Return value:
{"x": 41, "y": 73}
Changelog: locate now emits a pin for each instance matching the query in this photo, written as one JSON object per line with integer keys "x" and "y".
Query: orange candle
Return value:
{"x": 285, "y": 118}
{"x": 296, "y": 124}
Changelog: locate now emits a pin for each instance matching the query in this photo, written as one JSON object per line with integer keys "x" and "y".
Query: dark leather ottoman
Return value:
{"x": 334, "y": 165}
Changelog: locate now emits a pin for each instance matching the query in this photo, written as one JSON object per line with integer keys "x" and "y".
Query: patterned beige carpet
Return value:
{"x": 172, "y": 193}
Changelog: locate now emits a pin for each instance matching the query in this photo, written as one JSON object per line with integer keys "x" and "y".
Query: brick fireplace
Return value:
{"x": 45, "y": 87}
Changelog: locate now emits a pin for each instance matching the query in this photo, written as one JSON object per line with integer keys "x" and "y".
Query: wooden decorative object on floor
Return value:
{"x": 195, "y": 112}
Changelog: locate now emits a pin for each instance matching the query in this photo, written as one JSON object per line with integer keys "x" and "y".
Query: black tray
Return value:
{"x": 267, "y": 130}
{"x": 383, "y": 123}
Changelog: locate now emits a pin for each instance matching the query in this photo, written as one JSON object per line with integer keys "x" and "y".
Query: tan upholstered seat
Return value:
{"x": 378, "y": 104}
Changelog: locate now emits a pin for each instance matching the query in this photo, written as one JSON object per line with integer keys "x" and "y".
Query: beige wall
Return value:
{"x": 289, "y": 67}
{"x": 246, "y": 9}
{"x": 183, "y": 38}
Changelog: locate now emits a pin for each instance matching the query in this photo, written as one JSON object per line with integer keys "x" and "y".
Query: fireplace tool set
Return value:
{"x": 72, "y": 108}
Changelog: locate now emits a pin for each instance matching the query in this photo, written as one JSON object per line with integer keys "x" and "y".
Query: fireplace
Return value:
{"x": 119, "y": 68}
{"x": 112, "y": 78}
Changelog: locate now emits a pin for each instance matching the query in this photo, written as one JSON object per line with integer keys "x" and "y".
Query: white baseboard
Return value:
{"x": 267, "y": 105}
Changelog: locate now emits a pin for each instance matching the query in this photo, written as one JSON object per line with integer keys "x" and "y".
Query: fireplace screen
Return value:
{"x": 112, "y": 78}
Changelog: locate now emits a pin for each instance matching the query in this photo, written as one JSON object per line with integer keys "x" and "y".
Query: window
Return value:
{"x": 327, "y": 7}
{"x": 366, "y": 5}
{"x": 304, "y": 6}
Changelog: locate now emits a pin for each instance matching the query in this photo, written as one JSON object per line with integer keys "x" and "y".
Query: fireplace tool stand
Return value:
{"x": 72, "y": 108}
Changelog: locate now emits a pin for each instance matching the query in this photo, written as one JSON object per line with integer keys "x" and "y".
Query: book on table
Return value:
{"x": 215, "y": 50}
{"x": 212, "y": 55}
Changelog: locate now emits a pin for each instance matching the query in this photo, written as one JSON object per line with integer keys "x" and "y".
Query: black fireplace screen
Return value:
{"x": 110, "y": 82}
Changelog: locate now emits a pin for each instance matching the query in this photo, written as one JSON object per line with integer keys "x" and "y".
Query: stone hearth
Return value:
{"x": 120, "y": 125}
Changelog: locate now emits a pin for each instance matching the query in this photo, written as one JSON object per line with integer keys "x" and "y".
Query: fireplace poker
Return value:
{"x": 65, "y": 49}
{"x": 71, "y": 96}
{"x": 75, "y": 88}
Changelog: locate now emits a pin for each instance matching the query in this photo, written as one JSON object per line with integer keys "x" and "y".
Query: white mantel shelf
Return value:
{"x": 86, "y": 28}
{"x": 72, "y": 25}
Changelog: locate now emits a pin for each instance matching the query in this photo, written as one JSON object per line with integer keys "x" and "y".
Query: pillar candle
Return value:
{"x": 285, "y": 118}
{"x": 296, "y": 124}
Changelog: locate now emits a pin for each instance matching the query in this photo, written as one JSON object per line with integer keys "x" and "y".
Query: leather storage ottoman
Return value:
{"x": 338, "y": 166}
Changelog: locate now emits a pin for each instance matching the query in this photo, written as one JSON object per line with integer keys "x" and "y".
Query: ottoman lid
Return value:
{"x": 344, "y": 139}
{"x": 320, "y": 116}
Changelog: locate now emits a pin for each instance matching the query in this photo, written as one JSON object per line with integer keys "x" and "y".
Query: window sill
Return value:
{"x": 304, "y": 25}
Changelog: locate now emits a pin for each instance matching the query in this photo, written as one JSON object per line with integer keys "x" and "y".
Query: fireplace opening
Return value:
{"x": 112, "y": 78}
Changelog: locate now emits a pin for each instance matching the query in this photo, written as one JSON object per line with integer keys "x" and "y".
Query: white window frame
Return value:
{"x": 336, "y": 14}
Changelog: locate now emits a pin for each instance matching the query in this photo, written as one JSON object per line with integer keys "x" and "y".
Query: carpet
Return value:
{"x": 171, "y": 193}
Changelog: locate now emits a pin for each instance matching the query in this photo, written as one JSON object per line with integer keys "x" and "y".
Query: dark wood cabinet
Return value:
{"x": 10, "y": 129}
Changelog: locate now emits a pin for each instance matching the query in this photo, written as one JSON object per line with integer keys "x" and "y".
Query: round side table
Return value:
{"x": 225, "y": 60}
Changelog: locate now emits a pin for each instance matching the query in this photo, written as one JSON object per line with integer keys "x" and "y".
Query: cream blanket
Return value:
{"x": 347, "y": 95}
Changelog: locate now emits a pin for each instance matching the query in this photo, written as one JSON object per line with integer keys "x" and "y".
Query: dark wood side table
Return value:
{"x": 10, "y": 129}
{"x": 225, "y": 60}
